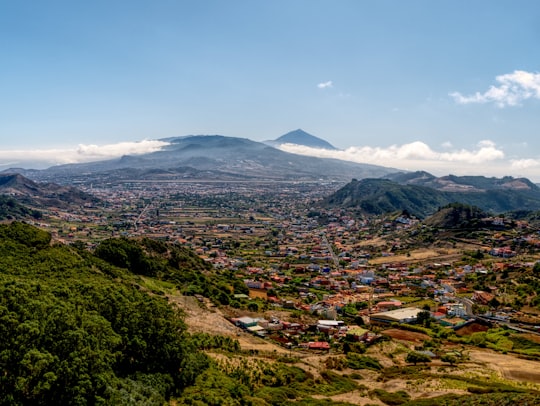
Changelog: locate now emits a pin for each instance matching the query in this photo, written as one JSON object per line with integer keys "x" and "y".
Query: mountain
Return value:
{"x": 379, "y": 196}
{"x": 452, "y": 183}
{"x": 40, "y": 195}
{"x": 300, "y": 137}
{"x": 212, "y": 157}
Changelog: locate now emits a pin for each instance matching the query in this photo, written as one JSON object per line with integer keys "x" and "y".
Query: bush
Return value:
{"x": 357, "y": 361}
{"x": 391, "y": 398}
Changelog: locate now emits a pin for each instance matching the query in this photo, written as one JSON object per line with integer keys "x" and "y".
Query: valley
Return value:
{"x": 298, "y": 284}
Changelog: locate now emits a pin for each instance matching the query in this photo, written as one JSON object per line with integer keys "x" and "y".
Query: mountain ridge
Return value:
{"x": 215, "y": 157}
{"x": 379, "y": 196}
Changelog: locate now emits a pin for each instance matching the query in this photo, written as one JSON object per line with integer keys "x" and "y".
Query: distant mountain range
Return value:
{"x": 422, "y": 194}
{"x": 212, "y": 157}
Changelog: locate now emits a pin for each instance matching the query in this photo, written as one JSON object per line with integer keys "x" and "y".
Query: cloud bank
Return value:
{"x": 511, "y": 90}
{"x": 486, "y": 159}
{"x": 41, "y": 158}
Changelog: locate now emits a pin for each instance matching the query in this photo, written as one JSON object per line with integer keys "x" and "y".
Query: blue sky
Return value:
{"x": 445, "y": 86}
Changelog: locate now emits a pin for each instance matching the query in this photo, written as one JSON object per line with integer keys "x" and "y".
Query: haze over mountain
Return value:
{"x": 212, "y": 157}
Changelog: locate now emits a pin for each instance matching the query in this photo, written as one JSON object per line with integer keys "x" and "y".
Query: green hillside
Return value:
{"x": 380, "y": 196}
{"x": 11, "y": 209}
{"x": 77, "y": 330}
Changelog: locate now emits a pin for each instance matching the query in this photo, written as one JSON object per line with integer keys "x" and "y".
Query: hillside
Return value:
{"x": 78, "y": 330}
{"x": 378, "y": 196}
{"x": 41, "y": 195}
{"x": 455, "y": 216}
{"x": 10, "y": 209}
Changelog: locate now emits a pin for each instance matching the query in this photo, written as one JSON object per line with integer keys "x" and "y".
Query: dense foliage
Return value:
{"x": 11, "y": 209}
{"x": 76, "y": 330}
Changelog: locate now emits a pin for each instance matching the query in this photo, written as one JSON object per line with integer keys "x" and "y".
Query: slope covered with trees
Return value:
{"x": 380, "y": 196}
{"x": 11, "y": 209}
{"x": 78, "y": 330}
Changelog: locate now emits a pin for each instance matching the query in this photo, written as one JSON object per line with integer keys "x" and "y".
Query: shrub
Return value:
{"x": 391, "y": 398}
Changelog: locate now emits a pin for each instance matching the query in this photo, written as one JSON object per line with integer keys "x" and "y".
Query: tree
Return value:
{"x": 415, "y": 357}
{"x": 424, "y": 318}
{"x": 450, "y": 359}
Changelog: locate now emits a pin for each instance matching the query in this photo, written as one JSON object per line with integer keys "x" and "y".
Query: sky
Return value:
{"x": 450, "y": 87}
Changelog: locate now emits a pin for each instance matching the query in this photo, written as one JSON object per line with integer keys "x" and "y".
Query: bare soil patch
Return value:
{"x": 422, "y": 254}
{"x": 201, "y": 319}
{"x": 470, "y": 329}
{"x": 508, "y": 366}
{"x": 406, "y": 335}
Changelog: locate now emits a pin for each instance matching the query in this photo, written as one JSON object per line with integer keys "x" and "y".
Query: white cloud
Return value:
{"x": 82, "y": 153}
{"x": 395, "y": 155}
{"x": 525, "y": 163}
{"x": 325, "y": 85}
{"x": 486, "y": 159}
{"x": 122, "y": 148}
{"x": 513, "y": 88}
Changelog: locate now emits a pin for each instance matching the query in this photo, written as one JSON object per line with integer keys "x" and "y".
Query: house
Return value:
{"x": 482, "y": 297}
{"x": 257, "y": 330}
{"x": 405, "y": 315}
{"x": 245, "y": 322}
{"x": 388, "y": 305}
{"x": 317, "y": 345}
{"x": 357, "y": 333}
{"x": 330, "y": 323}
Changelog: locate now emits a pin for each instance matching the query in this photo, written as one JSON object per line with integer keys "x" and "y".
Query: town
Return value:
{"x": 328, "y": 273}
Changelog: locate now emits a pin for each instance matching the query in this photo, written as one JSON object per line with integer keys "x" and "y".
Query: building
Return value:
{"x": 405, "y": 315}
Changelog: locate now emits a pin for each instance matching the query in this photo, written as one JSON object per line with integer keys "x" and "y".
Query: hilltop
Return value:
{"x": 456, "y": 216}
{"x": 300, "y": 137}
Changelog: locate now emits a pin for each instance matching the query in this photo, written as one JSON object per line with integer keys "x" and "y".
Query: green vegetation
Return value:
{"x": 76, "y": 330}
{"x": 415, "y": 357}
{"x": 357, "y": 361}
{"x": 492, "y": 399}
{"x": 503, "y": 340}
{"x": 391, "y": 398}
{"x": 11, "y": 209}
